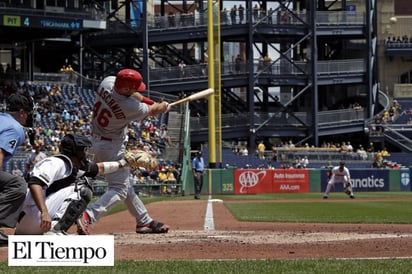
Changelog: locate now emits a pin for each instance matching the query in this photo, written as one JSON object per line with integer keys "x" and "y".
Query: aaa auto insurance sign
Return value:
{"x": 253, "y": 181}
{"x": 61, "y": 250}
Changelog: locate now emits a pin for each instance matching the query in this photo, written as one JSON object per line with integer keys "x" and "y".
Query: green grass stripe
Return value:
{"x": 333, "y": 195}
{"x": 350, "y": 211}
{"x": 384, "y": 266}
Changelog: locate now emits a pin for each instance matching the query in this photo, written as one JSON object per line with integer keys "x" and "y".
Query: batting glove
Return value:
{"x": 168, "y": 107}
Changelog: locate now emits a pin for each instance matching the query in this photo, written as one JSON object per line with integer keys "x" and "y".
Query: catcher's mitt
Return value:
{"x": 139, "y": 158}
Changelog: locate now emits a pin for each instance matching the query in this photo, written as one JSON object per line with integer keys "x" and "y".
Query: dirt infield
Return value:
{"x": 232, "y": 239}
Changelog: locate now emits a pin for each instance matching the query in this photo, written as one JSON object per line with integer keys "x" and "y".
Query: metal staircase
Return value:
{"x": 175, "y": 131}
{"x": 393, "y": 135}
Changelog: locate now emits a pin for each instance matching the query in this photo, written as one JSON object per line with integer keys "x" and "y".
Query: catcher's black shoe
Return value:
{"x": 352, "y": 197}
{"x": 4, "y": 239}
{"x": 152, "y": 227}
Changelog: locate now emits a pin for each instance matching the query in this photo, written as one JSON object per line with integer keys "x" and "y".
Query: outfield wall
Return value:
{"x": 254, "y": 181}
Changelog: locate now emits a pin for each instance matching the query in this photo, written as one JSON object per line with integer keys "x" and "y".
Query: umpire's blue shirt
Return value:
{"x": 198, "y": 164}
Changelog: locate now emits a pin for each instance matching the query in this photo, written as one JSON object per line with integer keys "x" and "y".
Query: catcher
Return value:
{"x": 58, "y": 190}
{"x": 340, "y": 174}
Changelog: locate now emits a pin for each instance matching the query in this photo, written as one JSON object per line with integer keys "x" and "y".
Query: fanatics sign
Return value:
{"x": 61, "y": 250}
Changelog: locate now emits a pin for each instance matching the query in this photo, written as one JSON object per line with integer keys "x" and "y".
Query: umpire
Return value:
{"x": 19, "y": 112}
{"x": 198, "y": 168}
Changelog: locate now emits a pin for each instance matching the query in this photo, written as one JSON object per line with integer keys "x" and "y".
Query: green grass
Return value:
{"x": 384, "y": 266}
{"x": 336, "y": 212}
{"x": 333, "y": 210}
{"x": 333, "y": 195}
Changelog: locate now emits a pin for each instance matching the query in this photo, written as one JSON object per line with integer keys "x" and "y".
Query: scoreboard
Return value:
{"x": 9, "y": 20}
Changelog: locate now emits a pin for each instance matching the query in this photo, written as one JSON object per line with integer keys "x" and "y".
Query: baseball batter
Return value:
{"x": 12, "y": 188}
{"x": 114, "y": 108}
{"x": 58, "y": 188}
{"x": 340, "y": 174}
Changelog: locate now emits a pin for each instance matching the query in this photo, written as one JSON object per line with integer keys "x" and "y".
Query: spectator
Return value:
{"x": 371, "y": 148}
{"x": 164, "y": 136}
{"x": 328, "y": 165}
{"x": 255, "y": 13}
{"x": 270, "y": 16}
{"x": 171, "y": 19}
{"x": 267, "y": 61}
{"x": 182, "y": 69}
{"x": 261, "y": 150}
{"x": 304, "y": 162}
{"x": 378, "y": 162}
{"x": 362, "y": 153}
{"x": 170, "y": 176}
{"x": 17, "y": 171}
{"x": 233, "y": 14}
{"x": 349, "y": 147}
{"x": 35, "y": 156}
{"x": 241, "y": 12}
{"x": 238, "y": 63}
{"x": 385, "y": 152}
{"x": 356, "y": 106}
{"x": 297, "y": 164}
{"x": 243, "y": 151}
{"x": 162, "y": 176}
{"x": 224, "y": 18}
{"x": 343, "y": 147}
{"x": 166, "y": 176}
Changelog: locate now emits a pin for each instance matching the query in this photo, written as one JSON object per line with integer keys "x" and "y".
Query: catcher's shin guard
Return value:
{"x": 74, "y": 210}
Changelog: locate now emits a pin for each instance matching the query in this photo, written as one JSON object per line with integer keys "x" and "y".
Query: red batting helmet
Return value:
{"x": 129, "y": 78}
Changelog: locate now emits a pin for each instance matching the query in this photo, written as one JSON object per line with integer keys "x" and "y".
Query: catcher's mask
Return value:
{"x": 129, "y": 79}
{"x": 76, "y": 146}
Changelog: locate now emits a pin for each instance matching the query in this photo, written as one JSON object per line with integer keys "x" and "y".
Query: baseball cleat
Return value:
{"x": 152, "y": 227}
{"x": 83, "y": 224}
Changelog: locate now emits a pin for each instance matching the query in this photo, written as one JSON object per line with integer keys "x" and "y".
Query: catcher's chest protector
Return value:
{"x": 62, "y": 183}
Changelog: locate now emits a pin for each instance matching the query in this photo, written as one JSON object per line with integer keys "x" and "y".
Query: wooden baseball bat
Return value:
{"x": 194, "y": 96}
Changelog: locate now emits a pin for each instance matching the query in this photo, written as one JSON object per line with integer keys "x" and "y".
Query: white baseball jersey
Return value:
{"x": 340, "y": 176}
{"x": 48, "y": 171}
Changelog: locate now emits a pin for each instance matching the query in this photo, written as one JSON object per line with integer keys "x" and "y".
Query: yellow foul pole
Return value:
{"x": 211, "y": 84}
{"x": 218, "y": 96}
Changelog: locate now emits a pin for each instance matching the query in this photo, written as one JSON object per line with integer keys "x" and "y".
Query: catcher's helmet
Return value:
{"x": 75, "y": 146}
{"x": 129, "y": 78}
